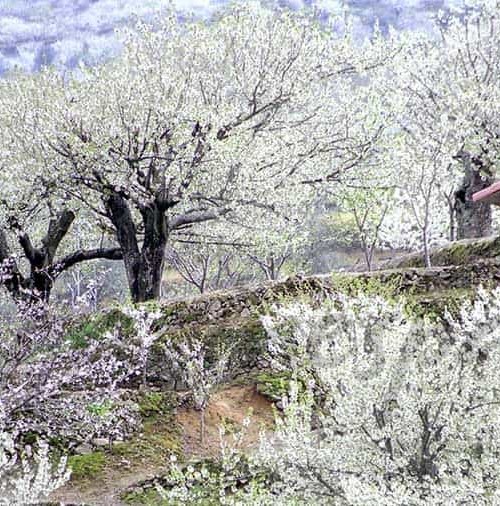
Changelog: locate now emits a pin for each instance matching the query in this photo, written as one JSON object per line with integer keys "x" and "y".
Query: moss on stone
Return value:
{"x": 434, "y": 304}
{"x": 148, "y": 497}
{"x": 276, "y": 385}
{"x": 350, "y": 284}
{"x": 154, "y": 404}
{"x": 245, "y": 336}
{"x": 454, "y": 253}
{"x": 159, "y": 439}
{"x": 273, "y": 385}
{"x": 95, "y": 326}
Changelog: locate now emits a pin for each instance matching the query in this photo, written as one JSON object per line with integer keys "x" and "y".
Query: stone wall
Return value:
{"x": 455, "y": 253}
{"x": 232, "y": 317}
{"x": 251, "y": 300}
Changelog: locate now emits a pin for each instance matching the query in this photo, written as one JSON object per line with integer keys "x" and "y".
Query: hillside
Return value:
{"x": 125, "y": 472}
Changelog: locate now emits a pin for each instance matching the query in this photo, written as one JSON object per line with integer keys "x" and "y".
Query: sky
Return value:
{"x": 34, "y": 33}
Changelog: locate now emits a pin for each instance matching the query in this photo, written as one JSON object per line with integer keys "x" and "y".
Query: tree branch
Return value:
{"x": 33, "y": 254}
{"x": 84, "y": 255}
{"x": 58, "y": 228}
{"x": 196, "y": 217}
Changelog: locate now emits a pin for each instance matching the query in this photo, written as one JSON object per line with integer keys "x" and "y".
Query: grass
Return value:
{"x": 88, "y": 466}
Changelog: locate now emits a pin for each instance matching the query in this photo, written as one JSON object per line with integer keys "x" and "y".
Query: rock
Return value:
{"x": 245, "y": 313}
{"x": 100, "y": 441}
{"x": 215, "y": 306}
{"x": 83, "y": 449}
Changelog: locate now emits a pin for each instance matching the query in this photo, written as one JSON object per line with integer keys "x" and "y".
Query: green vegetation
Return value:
{"x": 84, "y": 467}
{"x": 433, "y": 305}
{"x": 369, "y": 285}
{"x": 274, "y": 385}
{"x": 154, "y": 404}
{"x": 100, "y": 408}
{"x": 95, "y": 326}
{"x": 455, "y": 253}
{"x": 147, "y": 497}
{"x": 160, "y": 438}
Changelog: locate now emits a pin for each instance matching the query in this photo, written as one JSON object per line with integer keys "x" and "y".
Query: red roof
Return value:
{"x": 490, "y": 195}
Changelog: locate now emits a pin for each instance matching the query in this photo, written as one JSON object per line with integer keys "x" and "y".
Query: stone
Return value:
{"x": 83, "y": 449}
{"x": 100, "y": 441}
{"x": 245, "y": 313}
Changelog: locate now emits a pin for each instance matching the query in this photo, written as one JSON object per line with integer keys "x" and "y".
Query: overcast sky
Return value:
{"x": 64, "y": 32}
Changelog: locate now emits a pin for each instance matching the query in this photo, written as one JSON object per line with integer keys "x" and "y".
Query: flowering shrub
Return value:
{"x": 48, "y": 387}
{"x": 397, "y": 411}
{"x": 137, "y": 350}
{"x": 205, "y": 481}
{"x": 411, "y": 414}
{"x": 200, "y": 373}
{"x": 28, "y": 480}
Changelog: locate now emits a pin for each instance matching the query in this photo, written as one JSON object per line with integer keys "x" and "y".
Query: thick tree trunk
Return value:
{"x": 44, "y": 269}
{"x": 473, "y": 219}
{"x": 10, "y": 277}
{"x": 153, "y": 251}
{"x": 41, "y": 280}
{"x": 144, "y": 266}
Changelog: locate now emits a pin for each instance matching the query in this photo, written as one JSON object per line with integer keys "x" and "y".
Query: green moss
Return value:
{"x": 433, "y": 305}
{"x": 100, "y": 408}
{"x": 245, "y": 336}
{"x": 86, "y": 466}
{"x": 155, "y": 445}
{"x": 95, "y": 326}
{"x": 149, "y": 497}
{"x": 276, "y": 385}
{"x": 455, "y": 253}
{"x": 461, "y": 252}
{"x": 368, "y": 285}
{"x": 153, "y": 404}
{"x": 273, "y": 385}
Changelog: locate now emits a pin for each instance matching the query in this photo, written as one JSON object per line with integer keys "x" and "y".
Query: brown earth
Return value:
{"x": 227, "y": 409}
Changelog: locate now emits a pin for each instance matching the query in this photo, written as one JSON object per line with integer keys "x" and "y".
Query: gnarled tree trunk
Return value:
{"x": 144, "y": 262}
{"x": 44, "y": 268}
{"x": 143, "y": 265}
{"x": 473, "y": 219}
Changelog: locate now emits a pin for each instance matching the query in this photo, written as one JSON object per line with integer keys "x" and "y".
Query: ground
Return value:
{"x": 147, "y": 455}
{"x": 232, "y": 317}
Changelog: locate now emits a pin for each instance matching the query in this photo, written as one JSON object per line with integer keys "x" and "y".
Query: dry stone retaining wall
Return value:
{"x": 243, "y": 302}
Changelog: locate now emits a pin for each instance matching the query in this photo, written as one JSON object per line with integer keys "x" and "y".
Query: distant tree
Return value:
{"x": 208, "y": 266}
{"x": 418, "y": 219}
{"x": 368, "y": 208}
{"x": 446, "y": 87}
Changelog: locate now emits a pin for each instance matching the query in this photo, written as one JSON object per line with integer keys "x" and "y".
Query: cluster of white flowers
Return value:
{"x": 30, "y": 479}
{"x": 42, "y": 377}
{"x": 138, "y": 348}
{"x": 51, "y": 389}
{"x": 410, "y": 410}
{"x": 234, "y": 130}
{"x": 397, "y": 410}
{"x": 199, "y": 368}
